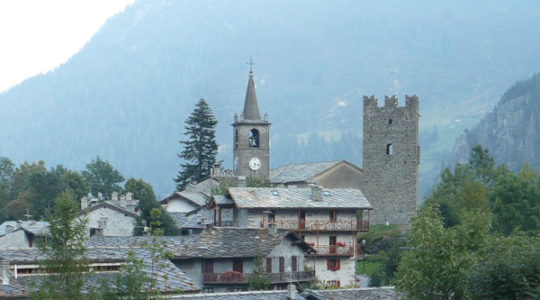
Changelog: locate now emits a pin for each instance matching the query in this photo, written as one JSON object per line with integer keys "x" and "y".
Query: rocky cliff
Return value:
{"x": 511, "y": 131}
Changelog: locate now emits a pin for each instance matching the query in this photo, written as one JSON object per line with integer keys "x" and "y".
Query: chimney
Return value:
{"x": 4, "y": 268}
{"x": 114, "y": 196}
{"x": 291, "y": 291}
{"x": 129, "y": 196}
{"x": 242, "y": 181}
{"x": 316, "y": 193}
{"x": 84, "y": 202}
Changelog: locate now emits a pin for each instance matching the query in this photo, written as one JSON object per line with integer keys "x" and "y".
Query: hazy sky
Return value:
{"x": 39, "y": 35}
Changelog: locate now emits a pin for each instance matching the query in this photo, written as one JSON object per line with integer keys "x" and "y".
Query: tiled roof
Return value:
{"x": 169, "y": 279}
{"x": 300, "y": 172}
{"x": 108, "y": 204}
{"x": 195, "y": 219}
{"x": 38, "y": 228}
{"x": 379, "y": 293}
{"x": 297, "y": 198}
{"x": 211, "y": 243}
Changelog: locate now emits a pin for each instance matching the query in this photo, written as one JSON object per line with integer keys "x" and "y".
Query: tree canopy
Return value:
{"x": 200, "y": 149}
{"x": 102, "y": 177}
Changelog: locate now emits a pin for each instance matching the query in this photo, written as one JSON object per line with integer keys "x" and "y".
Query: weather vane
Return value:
{"x": 251, "y": 64}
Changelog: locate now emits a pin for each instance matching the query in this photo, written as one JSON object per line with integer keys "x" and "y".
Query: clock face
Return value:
{"x": 254, "y": 164}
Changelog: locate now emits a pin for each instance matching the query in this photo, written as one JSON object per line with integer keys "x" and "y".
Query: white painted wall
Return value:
{"x": 346, "y": 273}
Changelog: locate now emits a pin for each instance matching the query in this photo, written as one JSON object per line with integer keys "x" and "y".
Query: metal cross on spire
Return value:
{"x": 251, "y": 64}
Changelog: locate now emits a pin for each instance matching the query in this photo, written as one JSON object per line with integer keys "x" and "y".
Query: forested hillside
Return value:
{"x": 511, "y": 131}
{"x": 126, "y": 95}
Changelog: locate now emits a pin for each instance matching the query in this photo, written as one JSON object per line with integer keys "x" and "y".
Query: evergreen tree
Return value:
{"x": 65, "y": 252}
{"x": 200, "y": 149}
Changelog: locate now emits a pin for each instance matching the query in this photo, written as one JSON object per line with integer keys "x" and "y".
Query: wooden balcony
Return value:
{"x": 233, "y": 277}
{"x": 333, "y": 250}
{"x": 320, "y": 225}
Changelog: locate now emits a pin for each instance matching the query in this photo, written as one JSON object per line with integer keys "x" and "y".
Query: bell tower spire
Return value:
{"x": 251, "y": 136}
{"x": 251, "y": 107}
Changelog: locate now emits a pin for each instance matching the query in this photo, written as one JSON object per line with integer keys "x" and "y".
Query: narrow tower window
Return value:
{"x": 389, "y": 121}
{"x": 236, "y": 138}
{"x": 390, "y": 149}
{"x": 254, "y": 138}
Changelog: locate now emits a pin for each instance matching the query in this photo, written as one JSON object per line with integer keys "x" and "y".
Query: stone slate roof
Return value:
{"x": 195, "y": 219}
{"x": 220, "y": 242}
{"x": 380, "y": 293}
{"x": 281, "y": 198}
{"x": 197, "y": 198}
{"x": 300, "y": 172}
{"x": 37, "y": 228}
{"x": 175, "y": 278}
{"x": 110, "y": 205}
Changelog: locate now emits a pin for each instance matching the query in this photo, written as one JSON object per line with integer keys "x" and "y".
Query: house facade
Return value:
{"x": 22, "y": 234}
{"x": 326, "y": 219}
{"x": 115, "y": 217}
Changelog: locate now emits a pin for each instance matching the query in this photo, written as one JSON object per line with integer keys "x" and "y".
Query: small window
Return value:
{"x": 333, "y": 264}
{"x": 389, "y": 121}
{"x": 208, "y": 290}
{"x": 208, "y": 266}
{"x": 268, "y": 265}
{"x": 281, "y": 264}
{"x": 390, "y": 149}
{"x": 333, "y": 216}
{"x": 236, "y": 138}
{"x": 333, "y": 283}
{"x": 238, "y": 265}
{"x": 254, "y": 138}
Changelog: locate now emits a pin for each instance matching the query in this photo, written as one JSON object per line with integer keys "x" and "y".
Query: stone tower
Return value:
{"x": 391, "y": 158}
{"x": 251, "y": 138}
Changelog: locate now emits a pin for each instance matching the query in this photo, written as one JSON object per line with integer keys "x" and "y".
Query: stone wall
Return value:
{"x": 390, "y": 159}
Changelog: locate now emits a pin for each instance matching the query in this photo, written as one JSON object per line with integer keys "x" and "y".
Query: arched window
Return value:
{"x": 389, "y": 149}
{"x": 236, "y": 138}
{"x": 254, "y": 138}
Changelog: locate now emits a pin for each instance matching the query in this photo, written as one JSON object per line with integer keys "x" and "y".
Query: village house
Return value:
{"x": 223, "y": 259}
{"x": 115, "y": 217}
{"x": 22, "y": 234}
{"x": 20, "y": 270}
{"x": 326, "y": 219}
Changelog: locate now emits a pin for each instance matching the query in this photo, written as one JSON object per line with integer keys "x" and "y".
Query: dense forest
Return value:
{"x": 29, "y": 191}
{"x": 476, "y": 237}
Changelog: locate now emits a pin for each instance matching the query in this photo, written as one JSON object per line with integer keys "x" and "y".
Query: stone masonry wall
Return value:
{"x": 390, "y": 159}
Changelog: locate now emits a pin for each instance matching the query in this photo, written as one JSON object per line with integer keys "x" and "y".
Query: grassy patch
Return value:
{"x": 371, "y": 266}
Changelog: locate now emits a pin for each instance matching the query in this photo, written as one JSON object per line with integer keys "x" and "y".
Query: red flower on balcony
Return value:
{"x": 341, "y": 244}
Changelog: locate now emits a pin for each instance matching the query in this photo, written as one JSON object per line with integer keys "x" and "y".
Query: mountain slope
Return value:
{"x": 126, "y": 95}
{"x": 511, "y": 131}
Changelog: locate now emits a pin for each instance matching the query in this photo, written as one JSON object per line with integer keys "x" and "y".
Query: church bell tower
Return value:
{"x": 251, "y": 137}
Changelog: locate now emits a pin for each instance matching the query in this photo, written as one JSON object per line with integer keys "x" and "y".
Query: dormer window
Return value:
{"x": 254, "y": 138}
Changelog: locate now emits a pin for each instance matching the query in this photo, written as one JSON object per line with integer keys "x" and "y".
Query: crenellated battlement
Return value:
{"x": 411, "y": 102}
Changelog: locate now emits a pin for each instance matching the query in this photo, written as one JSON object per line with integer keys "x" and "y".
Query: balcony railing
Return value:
{"x": 334, "y": 250}
{"x": 320, "y": 225}
{"x": 233, "y": 277}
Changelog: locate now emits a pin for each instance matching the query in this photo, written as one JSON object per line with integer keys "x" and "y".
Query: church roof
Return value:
{"x": 251, "y": 108}
{"x": 300, "y": 172}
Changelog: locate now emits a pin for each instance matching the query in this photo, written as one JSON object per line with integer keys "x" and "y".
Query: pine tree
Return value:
{"x": 200, "y": 149}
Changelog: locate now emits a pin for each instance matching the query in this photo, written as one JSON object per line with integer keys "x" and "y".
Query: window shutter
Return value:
{"x": 281, "y": 264}
{"x": 328, "y": 265}
{"x": 294, "y": 261}
{"x": 268, "y": 265}
{"x": 338, "y": 283}
{"x": 338, "y": 264}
